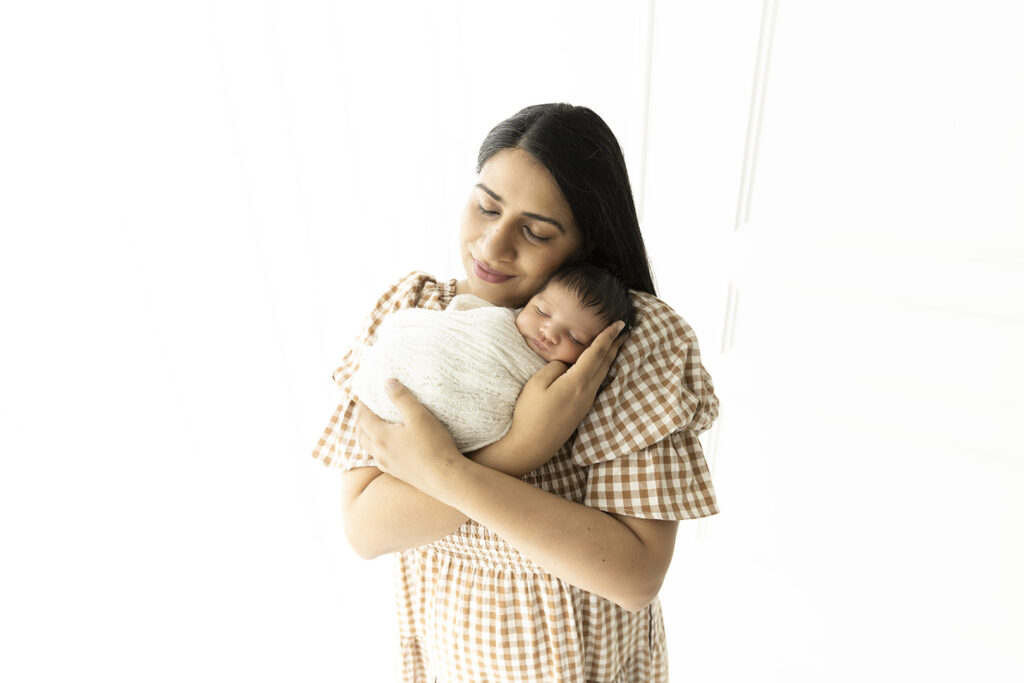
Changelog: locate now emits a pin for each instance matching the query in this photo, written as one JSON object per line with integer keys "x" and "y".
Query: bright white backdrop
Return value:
{"x": 199, "y": 201}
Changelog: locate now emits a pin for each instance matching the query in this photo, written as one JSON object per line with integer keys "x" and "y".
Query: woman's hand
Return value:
{"x": 556, "y": 399}
{"x": 413, "y": 450}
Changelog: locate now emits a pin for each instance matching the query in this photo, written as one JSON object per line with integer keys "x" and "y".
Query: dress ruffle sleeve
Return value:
{"x": 640, "y": 439}
{"x": 338, "y": 447}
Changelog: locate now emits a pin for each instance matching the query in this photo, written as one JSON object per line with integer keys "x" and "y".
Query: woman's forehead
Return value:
{"x": 524, "y": 184}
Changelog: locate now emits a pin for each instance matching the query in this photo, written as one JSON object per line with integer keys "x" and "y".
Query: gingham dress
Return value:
{"x": 470, "y": 607}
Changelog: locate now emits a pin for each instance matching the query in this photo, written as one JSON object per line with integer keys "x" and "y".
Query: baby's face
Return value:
{"x": 556, "y": 327}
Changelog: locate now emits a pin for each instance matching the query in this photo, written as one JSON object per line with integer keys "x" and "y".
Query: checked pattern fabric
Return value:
{"x": 470, "y": 606}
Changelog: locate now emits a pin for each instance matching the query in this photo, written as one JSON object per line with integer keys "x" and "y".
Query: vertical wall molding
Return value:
{"x": 757, "y": 98}
{"x": 641, "y": 186}
{"x": 732, "y": 301}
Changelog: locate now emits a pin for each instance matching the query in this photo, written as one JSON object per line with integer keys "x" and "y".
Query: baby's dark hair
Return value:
{"x": 597, "y": 288}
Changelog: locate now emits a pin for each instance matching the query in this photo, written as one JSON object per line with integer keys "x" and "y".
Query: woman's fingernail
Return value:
{"x": 391, "y": 385}
{"x": 618, "y": 326}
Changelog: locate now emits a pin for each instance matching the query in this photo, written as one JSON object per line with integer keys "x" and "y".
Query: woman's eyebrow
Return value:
{"x": 529, "y": 214}
{"x": 494, "y": 195}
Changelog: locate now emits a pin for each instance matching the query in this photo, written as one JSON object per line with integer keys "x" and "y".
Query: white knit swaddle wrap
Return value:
{"x": 466, "y": 364}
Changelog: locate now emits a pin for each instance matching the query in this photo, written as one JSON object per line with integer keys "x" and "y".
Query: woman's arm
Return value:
{"x": 382, "y": 514}
{"x": 621, "y": 558}
{"x": 395, "y": 516}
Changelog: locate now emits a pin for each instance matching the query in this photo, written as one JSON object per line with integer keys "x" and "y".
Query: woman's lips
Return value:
{"x": 488, "y": 275}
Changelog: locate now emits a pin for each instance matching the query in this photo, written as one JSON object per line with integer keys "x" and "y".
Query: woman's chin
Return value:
{"x": 502, "y": 294}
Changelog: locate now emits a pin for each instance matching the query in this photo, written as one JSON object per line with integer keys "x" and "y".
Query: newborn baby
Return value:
{"x": 468, "y": 363}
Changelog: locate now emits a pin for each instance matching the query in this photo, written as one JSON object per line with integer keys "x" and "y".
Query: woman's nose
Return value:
{"x": 497, "y": 243}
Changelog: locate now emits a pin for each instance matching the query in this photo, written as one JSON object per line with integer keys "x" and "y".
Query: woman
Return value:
{"x": 552, "y": 576}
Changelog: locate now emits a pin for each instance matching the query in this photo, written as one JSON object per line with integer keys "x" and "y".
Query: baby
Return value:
{"x": 575, "y": 305}
{"x": 468, "y": 363}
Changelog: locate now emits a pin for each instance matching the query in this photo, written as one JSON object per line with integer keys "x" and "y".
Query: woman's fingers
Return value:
{"x": 403, "y": 399}
{"x": 364, "y": 419}
{"x": 606, "y": 362}
{"x": 594, "y": 363}
{"x": 367, "y": 425}
{"x": 371, "y": 428}
{"x": 547, "y": 375}
{"x": 365, "y": 416}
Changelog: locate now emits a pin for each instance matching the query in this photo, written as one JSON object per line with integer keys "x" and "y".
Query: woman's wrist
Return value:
{"x": 509, "y": 456}
{"x": 445, "y": 471}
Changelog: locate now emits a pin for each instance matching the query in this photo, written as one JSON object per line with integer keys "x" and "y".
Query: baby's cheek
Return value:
{"x": 521, "y": 323}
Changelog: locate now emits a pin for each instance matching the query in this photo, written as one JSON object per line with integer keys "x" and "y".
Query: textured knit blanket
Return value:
{"x": 466, "y": 364}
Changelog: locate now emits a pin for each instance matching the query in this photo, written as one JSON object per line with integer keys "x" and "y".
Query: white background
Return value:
{"x": 200, "y": 200}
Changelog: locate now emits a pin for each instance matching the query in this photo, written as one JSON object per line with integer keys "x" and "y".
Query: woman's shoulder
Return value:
{"x": 658, "y": 324}
{"x": 416, "y": 289}
{"x": 657, "y": 386}
{"x": 661, "y": 349}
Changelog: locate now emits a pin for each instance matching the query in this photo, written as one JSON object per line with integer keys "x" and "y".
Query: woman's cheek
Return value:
{"x": 468, "y": 230}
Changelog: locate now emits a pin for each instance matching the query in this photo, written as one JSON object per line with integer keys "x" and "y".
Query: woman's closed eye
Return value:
{"x": 527, "y": 231}
{"x": 534, "y": 237}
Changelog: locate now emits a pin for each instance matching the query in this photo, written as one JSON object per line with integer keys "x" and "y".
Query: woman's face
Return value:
{"x": 517, "y": 229}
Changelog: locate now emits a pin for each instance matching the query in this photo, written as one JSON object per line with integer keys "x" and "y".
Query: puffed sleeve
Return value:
{"x": 338, "y": 447}
{"x": 639, "y": 442}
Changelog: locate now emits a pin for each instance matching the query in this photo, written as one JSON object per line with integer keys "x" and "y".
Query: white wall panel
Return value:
{"x": 199, "y": 202}
{"x": 703, "y": 60}
{"x": 905, "y": 130}
{"x": 867, "y": 460}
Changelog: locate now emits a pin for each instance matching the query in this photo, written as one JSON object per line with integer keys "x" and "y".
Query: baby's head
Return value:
{"x": 576, "y": 304}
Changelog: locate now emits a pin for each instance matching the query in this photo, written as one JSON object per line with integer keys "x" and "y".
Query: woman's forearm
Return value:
{"x": 510, "y": 457}
{"x": 593, "y": 550}
{"x": 385, "y": 515}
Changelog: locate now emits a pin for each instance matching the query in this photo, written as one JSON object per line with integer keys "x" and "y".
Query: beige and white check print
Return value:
{"x": 470, "y": 607}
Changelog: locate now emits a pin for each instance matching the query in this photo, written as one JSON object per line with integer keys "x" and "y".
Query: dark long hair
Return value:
{"x": 597, "y": 289}
{"x": 579, "y": 150}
